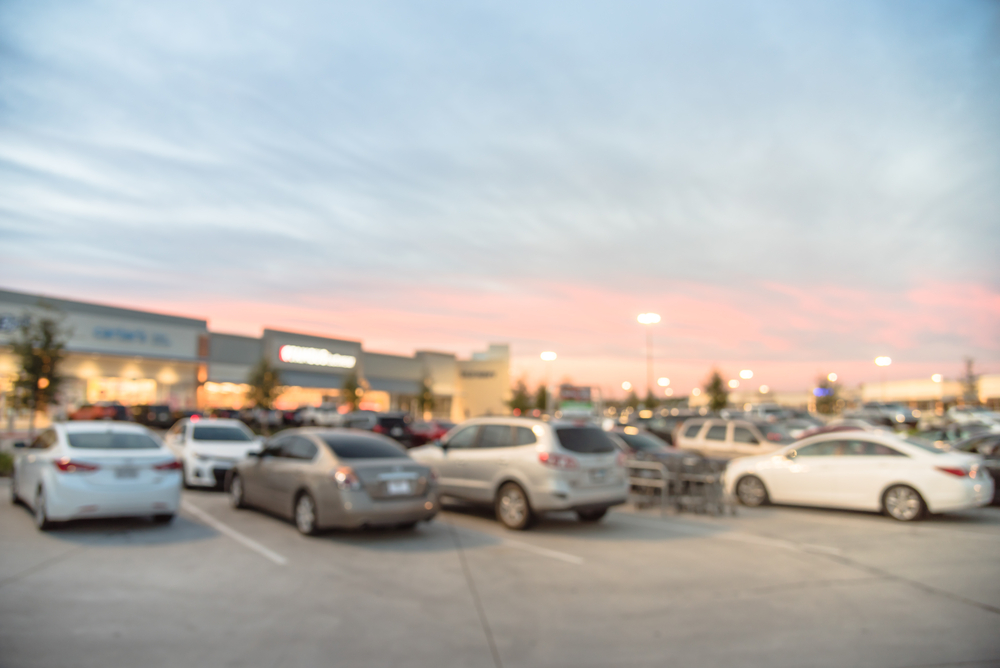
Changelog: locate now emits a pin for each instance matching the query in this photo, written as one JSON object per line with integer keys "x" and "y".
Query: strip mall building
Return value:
{"x": 138, "y": 357}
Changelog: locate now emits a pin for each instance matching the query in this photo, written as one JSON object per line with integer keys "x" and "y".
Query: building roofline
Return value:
{"x": 29, "y": 300}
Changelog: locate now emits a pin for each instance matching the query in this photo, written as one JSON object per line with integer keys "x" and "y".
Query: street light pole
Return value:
{"x": 649, "y": 319}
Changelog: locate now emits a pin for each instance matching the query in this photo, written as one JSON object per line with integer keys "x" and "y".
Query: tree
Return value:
{"x": 633, "y": 400}
{"x": 542, "y": 398}
{"x": 827, "y": 394}
{"x": 351, "y": 391}
{"x": 39, "y": 346}
{"x": 651, "y": 402}
{"x": 425, "y": 399}
{"x": 718, "y": 395}
{"x": 519, "y": 400}
{"x": 265, "y": 385}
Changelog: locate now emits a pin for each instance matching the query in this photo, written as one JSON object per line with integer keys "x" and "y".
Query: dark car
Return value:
{"x": 954, "y": 432}
{"x": 102, "y": 410}
{"x": 393, "y": 425}
{"x": 430, "y": 431}
{"x": 157, "y": 416}
{"x": 988, "y": 445}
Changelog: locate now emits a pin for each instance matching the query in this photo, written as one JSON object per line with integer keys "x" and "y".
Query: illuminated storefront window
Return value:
{"x": 127, "y": 391}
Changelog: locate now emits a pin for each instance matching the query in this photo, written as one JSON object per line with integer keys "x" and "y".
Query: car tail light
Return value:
{"x": 957, "y": 472}
{"x": 378, "y": 429}
{"x": 557, "y": 461}
{"x": 168, "y": 466}
{"x": 67, "y": 465}
{"x": 346, "y": 478}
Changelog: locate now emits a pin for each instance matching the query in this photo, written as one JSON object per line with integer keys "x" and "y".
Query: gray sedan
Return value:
{"x": 346, "y": 478}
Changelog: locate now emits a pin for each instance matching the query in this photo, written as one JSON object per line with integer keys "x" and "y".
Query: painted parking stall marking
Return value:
{"x": 241, "y": 538}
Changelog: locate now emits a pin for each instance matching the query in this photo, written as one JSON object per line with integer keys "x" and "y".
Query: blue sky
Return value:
{"x": 823, "y": 174}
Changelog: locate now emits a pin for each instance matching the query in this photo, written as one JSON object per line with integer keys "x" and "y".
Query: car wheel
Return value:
{"x": 42, "y": 520}
{"x": 305, "y": 515}
{"x": 512, "y": 507}
{"x": 236, "y": 492}
{"x": 903, "y": 503}
{"x": 164, "y": 518}
{"x": 751, "y": 491}
{"x": 591, "y": 515}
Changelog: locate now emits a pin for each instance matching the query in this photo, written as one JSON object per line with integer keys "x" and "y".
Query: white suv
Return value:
{"x": 525, "y": 467}
{"x": 209, "y": 447}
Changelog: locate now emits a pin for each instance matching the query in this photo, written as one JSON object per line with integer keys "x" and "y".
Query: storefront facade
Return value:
{"x": 112, "y": 354}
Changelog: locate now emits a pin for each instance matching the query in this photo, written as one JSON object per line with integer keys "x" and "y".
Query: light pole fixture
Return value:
{"x": 832, "y": 377}
{"x": 937, "y": 378}
{"x": 733, "y": 384}
{"x": 549, "y": 356}
{"x": 883, "y": 362}
{"x": 764, "y": 389}
{"x": 626, "y": 386}
{"x": 746, "y": 374}
{"x": 663, "y": 382}
{"x": 649, "y": 319}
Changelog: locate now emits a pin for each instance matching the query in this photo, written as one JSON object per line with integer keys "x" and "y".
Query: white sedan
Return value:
{"x": 96, "y": 469}
{"x": 874, "y": 471}
{"x": 209, "y": 447}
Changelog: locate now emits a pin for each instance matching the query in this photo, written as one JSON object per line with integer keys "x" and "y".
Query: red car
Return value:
{"x": 426, "y": 432}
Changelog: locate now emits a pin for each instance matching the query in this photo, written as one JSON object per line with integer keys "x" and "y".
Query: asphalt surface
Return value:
{"x": 769, "y": 587}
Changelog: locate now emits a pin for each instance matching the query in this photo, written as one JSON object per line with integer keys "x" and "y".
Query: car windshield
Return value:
{"x": 929, "y": 446}
{"x": 111, "y": 440}
{"x": 644, "y": 443}
{"x": 207, "y": 433}
{"x": 585, "y": 440}
{"x": 360, "y": 447}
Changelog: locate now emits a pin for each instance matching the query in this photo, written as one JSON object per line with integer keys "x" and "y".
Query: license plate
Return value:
{"x": 598, "y": 475}
{"x": 126, "y": 472}
{"x": 397, "y": 487}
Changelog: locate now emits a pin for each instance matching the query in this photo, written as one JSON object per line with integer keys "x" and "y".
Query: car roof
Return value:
{"x": 214, "y": 421}
{"x": 84, "y": 426}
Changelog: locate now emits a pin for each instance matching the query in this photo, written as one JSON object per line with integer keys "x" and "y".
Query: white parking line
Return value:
{"x": 233, "y": 533}
{"x": 545, "y": 552}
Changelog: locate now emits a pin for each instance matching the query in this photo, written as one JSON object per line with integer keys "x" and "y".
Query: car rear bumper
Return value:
{"x": 561, "y": 496}
{"x": 357, "y": 509}
{"x": 968, "y": 493}
{"x": 68, "y": 502}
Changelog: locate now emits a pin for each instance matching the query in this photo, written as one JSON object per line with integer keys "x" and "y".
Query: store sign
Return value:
{"x": 129, "y": 335}
{"x": 478, "y": 374}
{"x": 315, "y": 357}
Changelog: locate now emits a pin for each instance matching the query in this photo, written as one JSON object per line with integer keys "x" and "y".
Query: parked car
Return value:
{"x": 209, "y": 447}
{"x": 986, "y": 445}
{"x": 797, "y": 426}
{"x": 887, "y": 414}
{"x": 327, "y": 478}
{"x": 839, "y": 424}
{"x": 981, "y": 414}
{"x": 730, "y": 438}
{"x": 152, "y": 416}
{"x": 525, "y": 467}
{"x": 324, "y": 415}
{"x": 767, "y": 412}
{"x": 95, "y": 469}
{"x": 393, "y": 425}
{"x": 875, "y": 471}
{"x": 102, "y": 410}
{"x": 954, "y": 432}
{"x": 430, "y": 431}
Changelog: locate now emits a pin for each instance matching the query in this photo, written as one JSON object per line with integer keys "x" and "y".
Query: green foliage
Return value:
{"x": 6, "y": 464}
{"x": 351, "y": 392}
{"x": 39, "y": 346}
{"x": 265, "y": 385}
{"x": 718, "y": 395}
{"x": 520, "y": 399}
{"x": 633, "y": 400}
{"x": 650, "y": 402}
{"x": 542, "y": 398}
{"x": 827, "y": 404}
{"x": 425, "y": 399}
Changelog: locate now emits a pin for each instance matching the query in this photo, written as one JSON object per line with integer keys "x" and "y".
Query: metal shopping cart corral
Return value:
{"x": 687, "y": 481}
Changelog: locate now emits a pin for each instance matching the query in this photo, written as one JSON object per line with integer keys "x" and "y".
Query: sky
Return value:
{"x": 796, "y": 188}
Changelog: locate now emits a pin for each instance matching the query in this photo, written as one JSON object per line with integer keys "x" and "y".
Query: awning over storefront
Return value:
{"x": 394, "y": 386}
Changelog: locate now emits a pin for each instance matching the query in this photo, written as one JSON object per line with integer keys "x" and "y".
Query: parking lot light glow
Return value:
{"x": 764, "y": 389}
{"x": 832, "y": 377}
{"x": 626, "y": 386}
{"x": 746, "y": 374}
{"x": 937, "y": 378}
{"x": 883, "y": 361}
{"x": 549, "y": 356}
{"x": 669, "y": 392}
{"x": 648, "y": 318}
{"x": 734, "y": 383}
{"x": 663, "y": 382}
{"x": 695, "y": 392}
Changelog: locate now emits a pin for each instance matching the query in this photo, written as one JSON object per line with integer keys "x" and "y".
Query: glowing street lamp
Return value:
{"x": 764, "y": 389}
{"x": 832, "y": 377}
{"x": 883, "y": 362}
{"x": 734, "y": 383}
{"x": 663, "y": 382}
{"x": 549, "y": 356}
{"x": 626, "y": 386}
{"x": 937, "y": 378}
{"x": 746, "y": 374}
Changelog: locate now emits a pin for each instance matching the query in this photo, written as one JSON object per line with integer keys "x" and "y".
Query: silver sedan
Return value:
{"x": 335, "y": 478}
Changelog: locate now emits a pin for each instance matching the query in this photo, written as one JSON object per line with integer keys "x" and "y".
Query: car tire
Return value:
{"x": 236, "y": 498}
{"x": 305, "y": 514}
{"x": 512, "y": 507}
{"x": 903, "y": 503}
{"x": 592, "y": 515}
{"x": 751, "y": 492}
{"x": 163, "y": 518}
{"x": 42, "y": 520}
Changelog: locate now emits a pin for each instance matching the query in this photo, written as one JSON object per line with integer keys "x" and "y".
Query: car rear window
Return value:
{"x": 220, "y": 434}
{"x": 585, "y": 440}
{"x": 111, "y": 440}
{"x": 360, "y": 447}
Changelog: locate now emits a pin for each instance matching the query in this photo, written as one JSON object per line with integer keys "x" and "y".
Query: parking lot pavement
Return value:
{"x": 770, "y": 587}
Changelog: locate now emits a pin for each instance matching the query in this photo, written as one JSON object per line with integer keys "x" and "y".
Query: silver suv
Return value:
{"x": 525, "y": 467}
